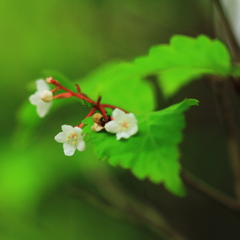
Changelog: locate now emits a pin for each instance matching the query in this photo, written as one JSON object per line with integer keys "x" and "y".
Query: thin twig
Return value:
{"x": 209, "y": 191}
{"x": 113, "y": 198}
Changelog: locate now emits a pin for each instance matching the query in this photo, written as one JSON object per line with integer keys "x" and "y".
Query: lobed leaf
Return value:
{"x": 87, "y": 128}
{"x": 153, "y": 152}
{"x": 184, "y": 60}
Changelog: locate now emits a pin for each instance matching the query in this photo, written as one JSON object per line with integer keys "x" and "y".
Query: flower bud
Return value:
{"x": 49, "y": 79}
{"x": 96, "y": 127}
{"x": 47, "y": 96}
{"x": 97, "y": 118}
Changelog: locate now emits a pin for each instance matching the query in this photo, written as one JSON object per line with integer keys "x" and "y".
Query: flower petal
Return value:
{"x": 78, "y": 131}
{"x": 68, "y": 149}
{"x": 67, "y": 128}
{"x": 60, "y": 137}
{"x": 112, "y": 127}
{"x": 131, "y": 119}
{"x": 34, "y": 98}
{"x": 123, "y": 134}
{"x": 43, "y": 108}
{"x": 42, "y": 85}
{"x": 81, "y": 145}
{"x": 118, "y": 114}
{"x": 133, "y": 130}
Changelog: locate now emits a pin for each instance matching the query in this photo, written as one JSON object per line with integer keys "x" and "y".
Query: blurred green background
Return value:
{"x": 45, "y": 195}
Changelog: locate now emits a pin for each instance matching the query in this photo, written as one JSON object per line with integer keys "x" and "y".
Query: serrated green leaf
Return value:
{"x": 87, "y": 128}
{"x": 153, "y": 152}
{"x": 184, "y": 60}
{"x": 120, "y": 85}
{"x": 88, "y": 120}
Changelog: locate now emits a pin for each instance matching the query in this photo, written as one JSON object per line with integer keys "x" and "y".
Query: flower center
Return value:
{"x": 72, "y": 138}
{"x": 123, "y": 125}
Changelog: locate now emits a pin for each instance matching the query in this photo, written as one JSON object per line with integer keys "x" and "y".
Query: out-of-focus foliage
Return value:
{"x": 113, "y": 81}
{"x": 184, "y": 60}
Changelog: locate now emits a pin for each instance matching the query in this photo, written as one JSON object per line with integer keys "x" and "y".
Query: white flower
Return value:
{"x": 35, "y": 99}
{"x": 72, "y": 139}
{"x": 124, "y": 124}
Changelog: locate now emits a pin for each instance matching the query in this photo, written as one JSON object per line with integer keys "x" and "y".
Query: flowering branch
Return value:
{"x": 78, "y": 95}
{"x": 82, "y": 96}
{"x": 122, "y": 123}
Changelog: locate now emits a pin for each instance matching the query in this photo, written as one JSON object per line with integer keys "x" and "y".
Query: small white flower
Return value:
{"x": 124, "y": 124}
{"x": 72, "y": 139}
{"x": 35, "y": 99}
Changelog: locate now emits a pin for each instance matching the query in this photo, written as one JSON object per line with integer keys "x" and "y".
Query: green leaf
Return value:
{"x": 88, "y": 120}
{"x": 184, "y": 60}
{"x": 119, "y": 84}
{"x": 153, "y": 152}
{"x": 87, "y": 128}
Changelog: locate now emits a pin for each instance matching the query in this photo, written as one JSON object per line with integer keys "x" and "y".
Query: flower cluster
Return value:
{"x": 121, "y": 123}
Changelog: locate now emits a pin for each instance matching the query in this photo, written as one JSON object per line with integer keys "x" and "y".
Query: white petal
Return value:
{"x": 122, "y": 134}
{"x": 133, "y": 130}
{"x": 60, "y": 137}
{"x": 81, "y": 145}
{"x": 78, "y": 131}
{"x": 112, "y": 127}
{"x": 43, "y": 108}
{"x": 131, "y": 119}
{"x": 69, "y": 149}
{"x": 67, "y": 128}
{"x": 118, "y": 114}
{"x": 34, "y": 99}
{"x": 42, "y": 85}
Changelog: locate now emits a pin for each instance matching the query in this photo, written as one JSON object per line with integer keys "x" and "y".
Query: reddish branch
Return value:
{"x": 96, "y": 105}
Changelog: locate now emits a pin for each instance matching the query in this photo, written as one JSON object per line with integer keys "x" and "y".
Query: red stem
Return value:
{"x": 84, "y": 97}
{"x": 62, "y": 95}
{"x": 78, "y": 95}
{"x": 101, "y": 109}
{"x": 89, "y": 115}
